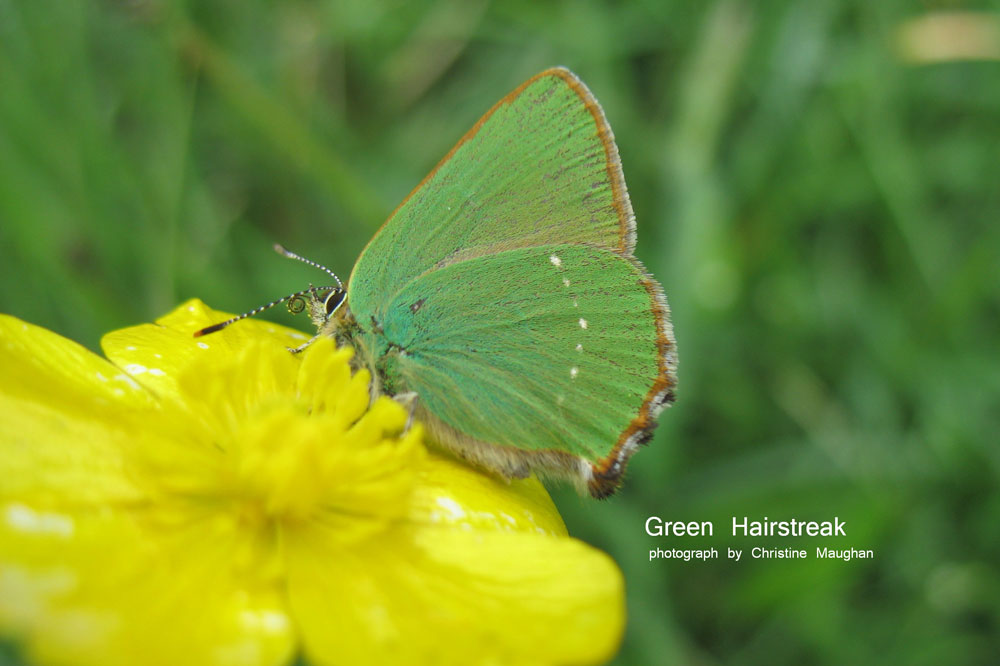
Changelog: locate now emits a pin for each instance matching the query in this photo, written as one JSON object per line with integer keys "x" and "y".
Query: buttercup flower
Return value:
{"x": 221, "y": 501}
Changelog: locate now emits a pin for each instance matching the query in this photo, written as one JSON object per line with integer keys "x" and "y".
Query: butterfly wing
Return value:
{"x": 540, "y": 167}
{"x": 478, "y": 290}
{"x": 557, "y": 352}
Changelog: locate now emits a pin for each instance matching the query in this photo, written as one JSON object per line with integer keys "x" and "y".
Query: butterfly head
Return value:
{"x": 322, "y": 302}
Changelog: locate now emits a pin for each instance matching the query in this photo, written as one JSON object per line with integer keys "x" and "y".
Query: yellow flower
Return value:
{"x": 220, "y": 501}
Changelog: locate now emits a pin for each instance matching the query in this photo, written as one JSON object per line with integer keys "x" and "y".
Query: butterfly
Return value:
{"x": 503, "y": 297}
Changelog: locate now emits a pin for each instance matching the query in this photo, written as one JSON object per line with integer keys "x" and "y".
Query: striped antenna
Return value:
{"x": 291, "y": 255}
{"x": 291, "y": 297}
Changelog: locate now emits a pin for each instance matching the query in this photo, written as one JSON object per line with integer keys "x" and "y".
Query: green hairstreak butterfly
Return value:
{"x": 503, "y": 292}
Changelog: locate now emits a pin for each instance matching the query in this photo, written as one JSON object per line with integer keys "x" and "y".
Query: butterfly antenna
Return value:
{"x": 291, "y": 255}
{"x": 256, "y": 311}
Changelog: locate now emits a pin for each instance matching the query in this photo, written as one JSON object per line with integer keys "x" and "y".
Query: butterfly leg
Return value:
{"x": 409, "y": 401}
{"x": 301, "y": 348}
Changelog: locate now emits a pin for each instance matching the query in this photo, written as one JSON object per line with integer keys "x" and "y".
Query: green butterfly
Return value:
{"x": 503, "y": 293}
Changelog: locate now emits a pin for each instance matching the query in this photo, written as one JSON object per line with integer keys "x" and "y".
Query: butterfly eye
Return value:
{"x": 333, "y": 301}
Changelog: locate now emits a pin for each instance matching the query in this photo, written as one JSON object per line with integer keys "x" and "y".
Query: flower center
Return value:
{"x": 283, "y": 465}
{"x": 300, "y": 443}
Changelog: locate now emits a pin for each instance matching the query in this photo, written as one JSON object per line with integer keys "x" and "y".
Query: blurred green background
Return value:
{"x": 817, "y": 186}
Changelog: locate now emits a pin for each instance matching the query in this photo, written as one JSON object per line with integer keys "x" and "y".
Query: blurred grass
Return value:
{"x": 821, "y": 211}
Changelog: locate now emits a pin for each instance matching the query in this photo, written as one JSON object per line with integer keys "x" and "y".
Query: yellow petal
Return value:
{"x": 119, "y": 588}
{"x": 155, "y": 354}
{"x": 453, "y": 493}
{"x": 441, "y": 595}
{"x": 325, "y": 376}
{"x": 64, "y": 429}
{"x": 478, "y": 572}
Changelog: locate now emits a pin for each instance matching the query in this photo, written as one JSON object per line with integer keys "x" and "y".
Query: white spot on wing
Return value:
{"x": 583, "y": 323}
{"x": 203, "y": 345}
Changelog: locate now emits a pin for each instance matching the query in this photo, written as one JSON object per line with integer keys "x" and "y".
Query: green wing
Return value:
{"x": 554, "y": 348}
{"x": 503, "y": 291}
{"x": 540, "y": 167}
